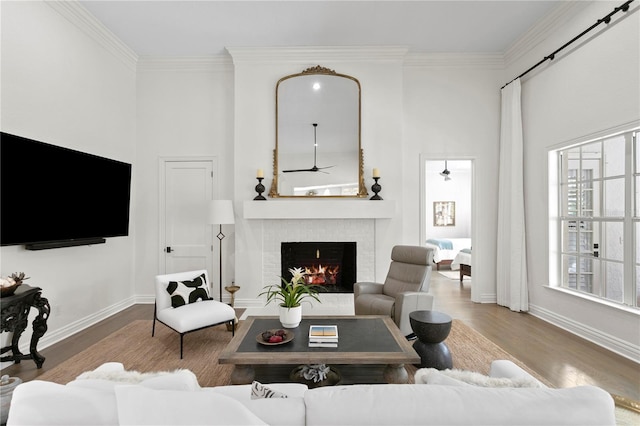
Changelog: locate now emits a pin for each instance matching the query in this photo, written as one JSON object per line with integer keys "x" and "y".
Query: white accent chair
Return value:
{"x": 404, "y": 290}
{"x": 193, "y": 316}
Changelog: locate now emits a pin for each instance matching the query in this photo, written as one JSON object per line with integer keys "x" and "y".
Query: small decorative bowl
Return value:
{"x": 8, "y": 291}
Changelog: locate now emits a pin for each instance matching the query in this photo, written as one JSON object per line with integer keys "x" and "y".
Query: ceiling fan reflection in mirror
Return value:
{"x": 315, "y": 168}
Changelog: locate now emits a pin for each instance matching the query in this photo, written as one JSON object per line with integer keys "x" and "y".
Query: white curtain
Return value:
{"x": 511, "y": 270}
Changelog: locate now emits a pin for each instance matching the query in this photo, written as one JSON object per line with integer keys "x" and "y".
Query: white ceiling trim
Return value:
{"x": 541, "y": 30}
{"x": 79, "y": 16}
{"x": 455, "y": 60}
{"x": 193, "y": 63}
{"x": 297, "y": 54}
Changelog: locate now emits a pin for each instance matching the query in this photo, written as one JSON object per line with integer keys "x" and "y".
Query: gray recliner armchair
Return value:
{"x": 404, "y": 290}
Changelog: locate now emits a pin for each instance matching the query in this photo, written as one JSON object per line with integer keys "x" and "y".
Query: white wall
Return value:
{"x": 61, "y": 87}
{"x": 184, "y": 110}
{"x": 593, "y": 88}
{"x": 452, "y": 110}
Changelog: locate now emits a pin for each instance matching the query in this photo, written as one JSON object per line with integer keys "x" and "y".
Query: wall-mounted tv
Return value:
{"x": 52, "y": 196}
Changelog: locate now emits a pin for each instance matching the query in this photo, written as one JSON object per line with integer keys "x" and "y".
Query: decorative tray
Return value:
{"x": 286, "y": 338}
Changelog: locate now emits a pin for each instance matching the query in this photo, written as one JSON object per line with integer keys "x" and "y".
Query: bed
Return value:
{"x": 462, "y": 261}
{"x": 445, "y": 249}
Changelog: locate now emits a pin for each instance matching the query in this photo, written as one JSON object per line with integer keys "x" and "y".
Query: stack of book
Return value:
{"x": 323, "y": 336}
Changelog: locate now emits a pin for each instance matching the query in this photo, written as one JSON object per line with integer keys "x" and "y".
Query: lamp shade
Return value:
{"x": 221, "y": 212}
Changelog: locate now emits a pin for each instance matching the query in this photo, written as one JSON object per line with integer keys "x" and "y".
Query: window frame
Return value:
{"x": 559, "y": 217}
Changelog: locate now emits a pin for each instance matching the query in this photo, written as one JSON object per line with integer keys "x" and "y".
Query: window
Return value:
{"x": 599, "y": 218}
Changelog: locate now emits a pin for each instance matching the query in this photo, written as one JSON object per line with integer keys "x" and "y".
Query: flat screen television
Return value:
{"x": 52, "y": 196}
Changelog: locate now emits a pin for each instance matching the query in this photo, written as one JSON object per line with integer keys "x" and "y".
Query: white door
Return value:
{"x": 186, "y": 187}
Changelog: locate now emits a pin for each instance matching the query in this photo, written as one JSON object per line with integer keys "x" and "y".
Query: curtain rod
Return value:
{"x": 624, "y": 7}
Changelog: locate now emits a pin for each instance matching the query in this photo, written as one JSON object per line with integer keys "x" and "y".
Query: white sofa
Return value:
{"x": 176, "y": 398}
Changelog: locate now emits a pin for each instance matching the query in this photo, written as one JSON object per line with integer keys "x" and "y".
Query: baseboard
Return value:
{"x": 489, "y": 298}
{"x": 607, "y": 341}
{"x": 54, "y": 336}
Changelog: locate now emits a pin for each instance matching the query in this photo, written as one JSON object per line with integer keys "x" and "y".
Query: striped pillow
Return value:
{"x": 259, "y": 391}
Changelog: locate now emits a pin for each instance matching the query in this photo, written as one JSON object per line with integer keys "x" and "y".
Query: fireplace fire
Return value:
{"x": 331, "y": 265}
{"x": 321, "y": 275}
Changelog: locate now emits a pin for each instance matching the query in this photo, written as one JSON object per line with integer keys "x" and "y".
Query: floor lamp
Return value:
{"x": 221, "y": 213}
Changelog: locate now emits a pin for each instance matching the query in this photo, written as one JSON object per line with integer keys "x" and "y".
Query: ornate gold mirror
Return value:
{"x": 318, "y": 152}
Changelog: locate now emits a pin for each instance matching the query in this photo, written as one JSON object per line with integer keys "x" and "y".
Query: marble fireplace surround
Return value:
{"x": 318, "y": 220}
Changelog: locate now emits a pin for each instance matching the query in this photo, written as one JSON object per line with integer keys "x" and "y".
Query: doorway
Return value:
{"x": 447, "y": 215}
{"x": 186, "y": 237}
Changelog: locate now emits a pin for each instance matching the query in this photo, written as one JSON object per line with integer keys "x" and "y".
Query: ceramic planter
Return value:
{"x": 290, "y": 317}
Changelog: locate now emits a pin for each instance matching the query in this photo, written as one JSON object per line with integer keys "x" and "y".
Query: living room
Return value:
{"x": 68, "y": 81}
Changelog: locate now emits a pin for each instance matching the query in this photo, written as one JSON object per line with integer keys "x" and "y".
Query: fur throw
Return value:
{"x": 132, "y": 377}
{"x": 465, "y": 378}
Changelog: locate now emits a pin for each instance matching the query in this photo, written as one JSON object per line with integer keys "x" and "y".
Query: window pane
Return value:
{"x": 569, "y": 243}
{"x": 636, "y": 149}
{"x": 614, "y": 156}
{"x": 613, "y": 244}
{"x": 585, "y": 283}
{"x": 637, "y": 194}
{"x": 570, "y": 207}
{"x": 614, "y": 198}
{"x": 570, "y": 268}
{"x": 591, "y": 156}
{"x": 579, "y": 237}
{"x": 637, "y": 266}
{"x": 637, "y": 226}
{"x": 589, "y": 196}
{"x": 573, "y": 164}
{"x": 614, "y": 281}
{"x": 637, "y": 286}
{"x": 586, "y": 237}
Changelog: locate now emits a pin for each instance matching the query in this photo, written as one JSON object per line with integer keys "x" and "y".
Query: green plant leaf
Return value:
{"x": 290, "y": 294}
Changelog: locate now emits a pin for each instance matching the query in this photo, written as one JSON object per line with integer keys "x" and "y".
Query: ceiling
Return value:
{"x": 205, "y": 28}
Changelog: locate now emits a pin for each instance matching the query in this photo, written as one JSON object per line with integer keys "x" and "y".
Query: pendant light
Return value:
{"x": 445, "y": 173}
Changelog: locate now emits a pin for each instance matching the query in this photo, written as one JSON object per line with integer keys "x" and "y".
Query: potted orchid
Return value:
{"x": 290, "y": 295}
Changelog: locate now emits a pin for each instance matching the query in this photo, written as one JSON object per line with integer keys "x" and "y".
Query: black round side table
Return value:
{"x": 431, "y": 329}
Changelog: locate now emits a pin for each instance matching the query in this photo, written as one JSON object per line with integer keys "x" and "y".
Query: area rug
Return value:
{"x": 134, "y": 347}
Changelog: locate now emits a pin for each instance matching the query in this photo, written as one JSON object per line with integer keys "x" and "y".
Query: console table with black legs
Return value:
{"x": 15, "y": 317}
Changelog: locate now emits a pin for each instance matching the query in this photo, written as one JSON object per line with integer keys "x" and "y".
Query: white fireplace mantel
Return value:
{"x": 319, "y": 209}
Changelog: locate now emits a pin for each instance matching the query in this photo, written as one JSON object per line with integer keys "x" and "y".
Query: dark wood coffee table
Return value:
{"x": 365, "y": 339}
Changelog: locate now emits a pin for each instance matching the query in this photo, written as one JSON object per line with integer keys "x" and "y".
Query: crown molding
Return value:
{"x": 541, "y": 30}
{"x": 297, "y": 54}
{"x": 216, "y": 63}
{"x": 455, "y": 60}
{"x": 79, "y": 16}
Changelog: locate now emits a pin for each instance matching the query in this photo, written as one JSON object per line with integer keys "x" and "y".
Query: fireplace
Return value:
{"x": 331, "y": 265}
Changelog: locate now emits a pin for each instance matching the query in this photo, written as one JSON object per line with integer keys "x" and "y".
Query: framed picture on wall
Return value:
{"x": 444, "y": 213}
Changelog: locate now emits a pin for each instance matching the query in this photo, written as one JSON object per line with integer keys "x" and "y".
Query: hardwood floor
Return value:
{"x": 560, "y": 357}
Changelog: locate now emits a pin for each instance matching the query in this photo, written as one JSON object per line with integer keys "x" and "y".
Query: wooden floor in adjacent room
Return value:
{"x": 562, "y": 358}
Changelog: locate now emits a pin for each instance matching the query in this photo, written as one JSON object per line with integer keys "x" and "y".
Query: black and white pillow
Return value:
{"x": 259, "y": 391}
{"x": 185, "y": 292}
